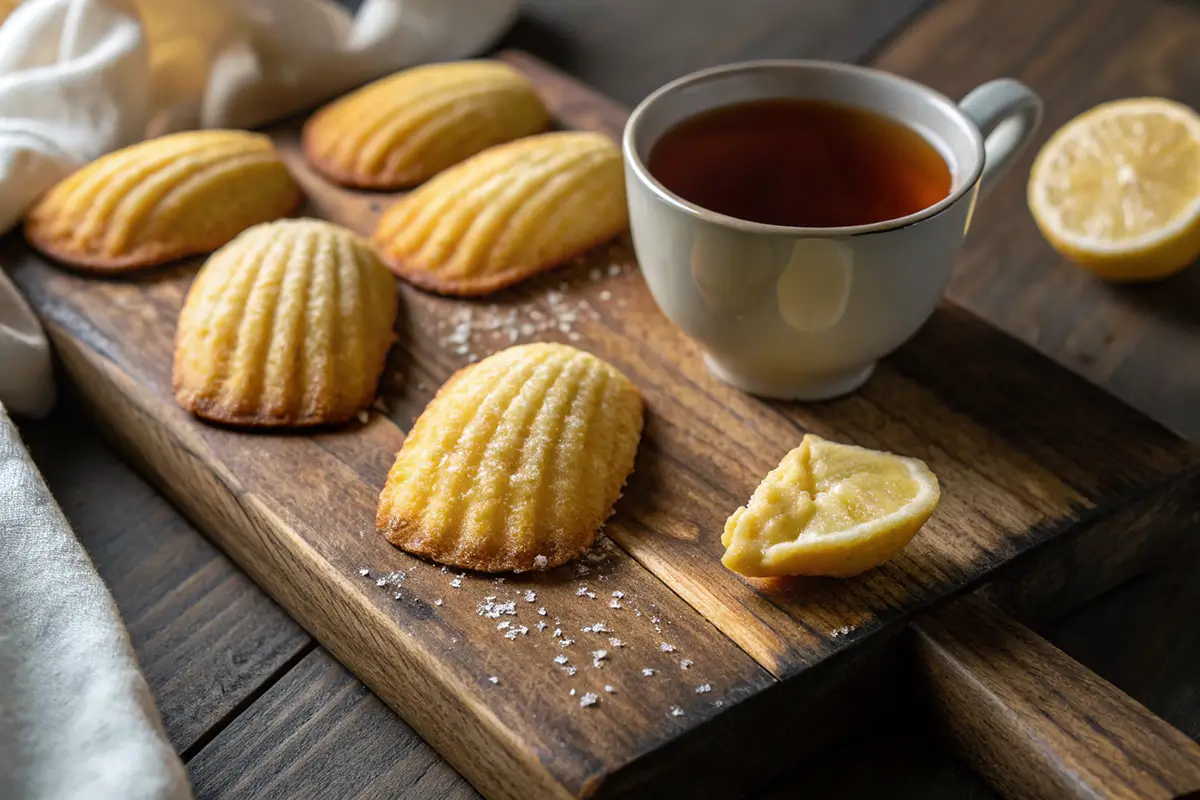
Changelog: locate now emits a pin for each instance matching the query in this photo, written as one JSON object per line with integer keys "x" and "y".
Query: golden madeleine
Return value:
{"x": 516, "y": 463}
{"x": 403, "y": 129}
{"x": 287, "y": 325}
{"x": 506, "y": 214}
{"x": 162, "y": 199}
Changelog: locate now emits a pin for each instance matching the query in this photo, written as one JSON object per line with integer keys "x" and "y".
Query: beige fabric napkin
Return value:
{"x": 79, "y": 78}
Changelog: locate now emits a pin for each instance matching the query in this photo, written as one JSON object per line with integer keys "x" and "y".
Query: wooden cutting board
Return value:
{"x": 1051, "y": 491}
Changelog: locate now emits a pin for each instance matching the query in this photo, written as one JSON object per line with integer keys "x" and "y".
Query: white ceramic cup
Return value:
{"x": 804, "y": 313}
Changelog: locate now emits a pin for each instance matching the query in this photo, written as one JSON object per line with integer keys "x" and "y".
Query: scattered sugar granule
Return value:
{"x": 499, "y": 581}
{"x": 445, "y": 570}
{"x": 456, "y": 583}
{"x": 530, "y": 596}
{"x": 575, "y": 336}
{"x": 647, "y": 671}
{"x": 598, "y": 657}
{"x": 686, "y": 663}
{"x": 381, "y": 582}
{"x": 492, "y": 610}
{"x": 600, "y": 627}
{"x": 586, "y": 629}
{"x": 676, "y": 711}
{"x": 655, "y": 620}
{"x": 437, "y": 602}
{"x": 588, "y": 700}
{"x": 718, "y": 703}
{"x": 570, "y": 672}
{"x": 614, "y": 604}
{"x": 667, "y": 648}
{"x": 513, "y": 633}
{"x": 541, "y": 626}
{"x": 565, "y": 642}
{"x": 398, "y": 596}
{"x": 503, "y": 626}
{"x": 557, "y": 632}
{"x": 703, "y": 688}
{"x": 842, "y": 631}
{"x": 364, "y": 417}
{"x": 561, "y": 658}
{"x": 572, "y": 693}
{"x": 582, "y": 569}
{"x": 606, "y": 295}
{"x": 614, "y": 270}
{"x": 584, "y": 591}
{"x": 608, "y": 688}
{"x": 364, "y": 572}
{"x": 619, "y": 595}
{"x": 541, "y": 612}
{"x": 494, "y": 679}
{"x": 615, "y": 642}
{"x": 540, "y": 562}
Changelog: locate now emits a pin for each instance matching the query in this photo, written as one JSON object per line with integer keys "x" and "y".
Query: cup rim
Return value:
{"x": 944, "y": 103}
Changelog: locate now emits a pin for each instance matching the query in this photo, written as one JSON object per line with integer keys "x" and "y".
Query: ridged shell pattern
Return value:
{"x": 289, "y": 324}
{"x": 506, "y": 214}
{"x": 516, "y": 463}
{"x": 162, "y": 199}
{"x": 403, "y": 129}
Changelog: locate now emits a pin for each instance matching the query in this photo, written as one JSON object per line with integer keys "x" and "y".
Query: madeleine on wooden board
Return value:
{"x": 516, "y": 463}
{"x": 506, "y": 214}
{"x": 287, "y": 325}
{"x": 162, "y": 199}
{"x": 405, "y": 128}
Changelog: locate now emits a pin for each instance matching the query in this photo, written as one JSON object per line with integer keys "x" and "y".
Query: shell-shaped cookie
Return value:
{"x": 516, "y": 463}
{"x": 162, "y": 199}
{"x": 506, "y": 214}
{"x": 403, "y": 129}
{"x": 289, "y": 324}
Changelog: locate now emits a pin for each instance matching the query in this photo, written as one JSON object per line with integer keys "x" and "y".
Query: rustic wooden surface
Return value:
{"x": 1036, "y": 722}
{"x": 1015, "y": 476}
{"x": 1140, "y": 636}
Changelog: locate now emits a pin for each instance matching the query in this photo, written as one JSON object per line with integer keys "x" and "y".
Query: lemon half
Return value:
{"x": 830, "y": 509}
{"x": 1117, "y": 189}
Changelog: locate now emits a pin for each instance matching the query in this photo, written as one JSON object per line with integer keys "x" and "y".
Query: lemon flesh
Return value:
{"x": 829, "y": 509}
{"x": 1117, "y": 189}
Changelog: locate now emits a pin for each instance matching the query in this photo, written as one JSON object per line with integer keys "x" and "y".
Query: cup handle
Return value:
{"x": 1007, "y": 113}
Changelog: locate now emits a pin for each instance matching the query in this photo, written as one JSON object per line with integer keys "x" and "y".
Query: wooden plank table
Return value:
{"x": 256, "y": 708}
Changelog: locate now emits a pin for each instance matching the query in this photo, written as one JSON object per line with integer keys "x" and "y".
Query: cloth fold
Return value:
{"x": 79, "y": 78}
{"x": 76, "y": 716}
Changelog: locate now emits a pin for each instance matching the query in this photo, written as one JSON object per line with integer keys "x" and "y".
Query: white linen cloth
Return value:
{"x": 79, "y": 78}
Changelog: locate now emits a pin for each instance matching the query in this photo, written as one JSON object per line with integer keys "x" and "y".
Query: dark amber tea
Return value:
{"x": 805, "y": 163}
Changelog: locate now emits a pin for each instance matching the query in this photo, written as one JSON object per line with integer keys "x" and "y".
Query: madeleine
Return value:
{"x": 288, "y": 325}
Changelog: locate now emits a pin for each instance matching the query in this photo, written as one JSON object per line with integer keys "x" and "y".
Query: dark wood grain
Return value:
{"x": 1141, "y": 342}
{"x": 628, "y": 49}
{"x": 1144, "y": 639}
{"x": 206, "y": 636}
{"x": 319, "y": 732}
{"x": 1037, "y": 723}
{"x": 1010, "y": 434}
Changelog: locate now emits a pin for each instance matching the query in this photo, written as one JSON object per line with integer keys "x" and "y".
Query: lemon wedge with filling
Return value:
{"x": 1117, "y": 189}
{"x": 830, "y": 509}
